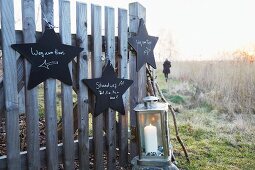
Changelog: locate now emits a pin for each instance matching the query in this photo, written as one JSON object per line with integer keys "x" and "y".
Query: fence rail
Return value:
{"x": 106, "y": 138}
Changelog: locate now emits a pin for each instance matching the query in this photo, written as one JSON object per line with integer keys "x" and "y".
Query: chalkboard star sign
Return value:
{"x": 108, "y": 90}
{"x": 144, "y": 45}
{"x": 49, "y": 58}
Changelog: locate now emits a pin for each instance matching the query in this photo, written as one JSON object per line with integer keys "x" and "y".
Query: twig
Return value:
{"x": 150, "y": 90}
{"x": 177, "y": 133}
{"x": 151, "y": 80}
{"x": 175, "y": 123}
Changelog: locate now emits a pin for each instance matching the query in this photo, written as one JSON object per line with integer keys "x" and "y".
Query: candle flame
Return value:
{"x": 153, "y": 119}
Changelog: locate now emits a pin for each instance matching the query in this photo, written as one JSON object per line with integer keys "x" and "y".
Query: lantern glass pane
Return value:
{"x": 150, "y": 131}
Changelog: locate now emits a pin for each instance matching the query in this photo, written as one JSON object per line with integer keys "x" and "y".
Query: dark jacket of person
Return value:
{"x": 166, "y": 67}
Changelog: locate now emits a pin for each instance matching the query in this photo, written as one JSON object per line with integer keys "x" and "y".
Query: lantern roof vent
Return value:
{"x": 150, "y": 98}
{"x": 150, "y": 103}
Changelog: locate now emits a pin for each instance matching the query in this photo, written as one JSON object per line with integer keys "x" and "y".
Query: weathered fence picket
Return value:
{"x": 31, "y": 96}
{"x": 123, "y": 73}
{"x": 66, "y": 91}
{"x": 10, "y": 85}
{"x": 137, "y": 92}
{"x": 98, "y": 121}
{"x": 110, "y": 137}
{"x": 110, "y": 117}
{"x": 82, "y": 93}
{"x": 50, "y": 98}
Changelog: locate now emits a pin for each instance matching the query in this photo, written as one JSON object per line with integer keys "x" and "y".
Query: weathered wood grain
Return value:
{"x": 50, "y": 100}
{"x": 138, "y": 88}
{"x": 82, "y": 93}
{"x": 2, "y": 101}
{"x": 66, "y": 90}
{"x": 110, "y": 117}
{"x": 43, "y": 155}
{"x": 31, "y": 96}
{"x": 10, "y": 84}
{"x": 20, "y": 84}
{"x": 123, "y": 68}
{"x": 96, "y": 73}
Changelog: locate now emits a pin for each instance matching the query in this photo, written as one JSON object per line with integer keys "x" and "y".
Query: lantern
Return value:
{"x": 153, "y": 135}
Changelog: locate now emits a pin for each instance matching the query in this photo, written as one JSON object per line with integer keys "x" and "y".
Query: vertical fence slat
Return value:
{"x": 31, "y": 96}
{"x": 138, "y": 88}
{"x": 123, "y": 73}
{"x": 111, "y": 115}
{"x": 66, "y": 91}
{"x": 83, "y": 119}
{"x": 96, "y": 73}
{"x": 10, "y": 84}
{"x": 50, "y": 101}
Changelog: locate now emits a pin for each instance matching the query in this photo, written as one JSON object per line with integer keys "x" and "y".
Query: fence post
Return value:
{"x": 83, "y": 118}
{"x": 31, "y": 96}
{"x": 124, "y": 74}
{"x": 96, "y": 73}
{"x": 66, "y": 90}
{"x": 50, "y": 100}
{"x": 138, "y": 88}
{"x": 10, "y": 85}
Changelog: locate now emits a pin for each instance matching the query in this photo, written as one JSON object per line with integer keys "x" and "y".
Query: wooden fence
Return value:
{"x": 107, "y": 138}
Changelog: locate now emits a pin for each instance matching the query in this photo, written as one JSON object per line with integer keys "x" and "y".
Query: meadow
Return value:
{"x": 216, "y": 118}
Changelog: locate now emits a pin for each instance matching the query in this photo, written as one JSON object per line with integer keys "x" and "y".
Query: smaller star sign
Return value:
{"x": 144, "y": 45}
{"x": 108, "y": 90}
{"x": 49, "y": 58}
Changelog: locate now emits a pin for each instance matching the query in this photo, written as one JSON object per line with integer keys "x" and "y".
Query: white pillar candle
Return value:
{"x": 150, "y": 138}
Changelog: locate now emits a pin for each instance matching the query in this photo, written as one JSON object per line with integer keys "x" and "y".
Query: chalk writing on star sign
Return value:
{"x": 108, "y": 90}
{"x": 144, "y": 45}
{"x": 49, "y": 58}
{"x": 39, "y": 52}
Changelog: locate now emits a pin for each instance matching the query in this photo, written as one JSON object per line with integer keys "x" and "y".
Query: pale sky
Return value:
{"x": 199, "y": 29}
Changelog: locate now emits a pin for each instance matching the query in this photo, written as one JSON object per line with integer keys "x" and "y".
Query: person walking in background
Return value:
{"x": 166, "y": 68}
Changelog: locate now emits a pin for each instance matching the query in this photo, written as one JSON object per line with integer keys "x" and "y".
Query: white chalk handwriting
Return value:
{"x": 42, "y": 53}
{"x": 109, "y": 89}
{"x": 145, "y": 45}
{"x": 46, "y": 65}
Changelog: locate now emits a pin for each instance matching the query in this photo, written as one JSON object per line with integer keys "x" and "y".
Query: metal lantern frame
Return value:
{"x": 145, "y": 111}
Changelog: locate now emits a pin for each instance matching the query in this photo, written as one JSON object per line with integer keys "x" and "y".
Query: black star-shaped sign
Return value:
{"x": 108, "y": 90}
{"x": 49, "y": 58}
{"x": 144, "y": 45}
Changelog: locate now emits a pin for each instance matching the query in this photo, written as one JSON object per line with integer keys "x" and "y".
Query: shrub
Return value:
{"x": 176, "y": 99}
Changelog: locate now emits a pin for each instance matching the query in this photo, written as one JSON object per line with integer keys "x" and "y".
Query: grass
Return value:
{"x": 212, "y": 143}
{"x": 215, "y": 138}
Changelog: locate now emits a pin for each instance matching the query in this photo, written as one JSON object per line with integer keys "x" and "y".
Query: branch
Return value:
{"x": 175, "y": 123}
